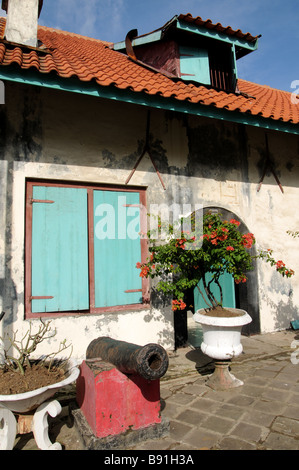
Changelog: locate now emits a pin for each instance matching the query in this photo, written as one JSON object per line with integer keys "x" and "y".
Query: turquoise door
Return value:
{"x": 228, "y": 290}
{"x": 59, "y": 249}
{"x": 117, "y": 248}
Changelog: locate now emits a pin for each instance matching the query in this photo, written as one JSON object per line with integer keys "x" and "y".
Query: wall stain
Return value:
{"x": 25, "y": 142}
{"x": 213, "y": 151}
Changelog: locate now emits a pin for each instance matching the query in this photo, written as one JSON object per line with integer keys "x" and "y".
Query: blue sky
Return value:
{"x": 275, "y": 63}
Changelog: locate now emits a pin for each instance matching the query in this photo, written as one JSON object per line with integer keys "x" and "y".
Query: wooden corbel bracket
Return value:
{"x": 269, "y": 166}
{"x": 146, "y": 149}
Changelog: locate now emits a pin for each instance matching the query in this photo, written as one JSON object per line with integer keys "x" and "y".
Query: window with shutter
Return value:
{"x": 82, "y": 246}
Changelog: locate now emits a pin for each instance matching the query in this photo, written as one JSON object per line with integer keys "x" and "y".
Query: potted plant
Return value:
{"x": 26, "y": 384}
{"x": 187, "y": 262}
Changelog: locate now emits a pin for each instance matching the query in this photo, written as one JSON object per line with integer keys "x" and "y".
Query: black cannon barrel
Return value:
{"x": 149, "y": 361}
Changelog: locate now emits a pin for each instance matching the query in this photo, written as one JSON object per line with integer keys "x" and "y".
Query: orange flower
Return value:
{"x": 180, "y": 243}
{"x": 248, "y": 240}
{"x": 144, "y": 271}
{"x": 178, "y": 305}
{"x": 222, "y": 238}
{"x": 235, "y": 222}
{"x": 279, "y": 264}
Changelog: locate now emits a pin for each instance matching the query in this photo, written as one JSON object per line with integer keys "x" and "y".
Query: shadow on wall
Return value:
{"x": 162, "y": 303}
{"x": 13, "y": 148}
{"x": 279, "y": 300}
{"x": 8, "y": 290}
{"x": 285, "y": 313}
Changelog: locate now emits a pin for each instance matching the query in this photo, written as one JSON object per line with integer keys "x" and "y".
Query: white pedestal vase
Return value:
{"x": 222, "y": 342}
{"x": 28, "y": 412}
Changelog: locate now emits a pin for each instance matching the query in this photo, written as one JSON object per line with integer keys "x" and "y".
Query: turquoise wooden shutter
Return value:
{"x": 59, "y": 249}
{"x": 194, "y": 64}
{"x": 228, "y": 290}
{"x": 117, "y": 248}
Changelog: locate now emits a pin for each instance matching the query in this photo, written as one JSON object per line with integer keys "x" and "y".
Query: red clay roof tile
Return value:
{"x": 72, "y": 55}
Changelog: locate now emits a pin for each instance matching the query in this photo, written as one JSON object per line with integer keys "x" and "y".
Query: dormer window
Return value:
{"x": 214, "y": 66}
{"x": 193, "y": 50}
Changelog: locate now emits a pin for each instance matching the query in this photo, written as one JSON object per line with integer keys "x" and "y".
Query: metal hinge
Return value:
{"x": 132, "y": 290}
{"x": 44, "y": 201}
{"x": 40, "y": 297}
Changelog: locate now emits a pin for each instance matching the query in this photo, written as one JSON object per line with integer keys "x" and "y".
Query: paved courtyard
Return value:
{"x": 261, "y": 414}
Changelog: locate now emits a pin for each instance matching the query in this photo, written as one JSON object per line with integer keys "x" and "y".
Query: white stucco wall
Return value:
{"x": 86, "y": 140}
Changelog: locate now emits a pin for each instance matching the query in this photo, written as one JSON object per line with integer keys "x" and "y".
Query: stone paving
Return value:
{"x": 262, "y": 414}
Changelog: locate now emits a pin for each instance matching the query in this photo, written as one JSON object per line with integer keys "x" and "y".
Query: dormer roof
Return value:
{"x": 193, "y": 50}
{"x": 245, "y": 42}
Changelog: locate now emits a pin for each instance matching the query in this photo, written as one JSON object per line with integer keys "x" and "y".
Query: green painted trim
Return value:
{"x": 213, "y": 34}
{"x": 234, "y": 62}
{"x": 74, "y": 85}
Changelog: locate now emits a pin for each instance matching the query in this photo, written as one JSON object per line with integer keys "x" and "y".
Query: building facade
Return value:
{"x": 88, "y": 150}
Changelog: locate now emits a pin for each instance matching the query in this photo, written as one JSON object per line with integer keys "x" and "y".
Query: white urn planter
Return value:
{"x": 222, "y": 342}
{"x": 31, "y": 410}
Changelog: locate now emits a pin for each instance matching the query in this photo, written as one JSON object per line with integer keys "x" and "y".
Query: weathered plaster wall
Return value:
{"x": 69, "y": 137}
{"x": 273, "y": 213}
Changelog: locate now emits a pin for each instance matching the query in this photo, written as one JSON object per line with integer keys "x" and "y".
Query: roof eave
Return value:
{"x": 91, "y": 88}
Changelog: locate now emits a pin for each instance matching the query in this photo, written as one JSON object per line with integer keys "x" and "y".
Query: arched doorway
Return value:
{"x": 243, "y": 296}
